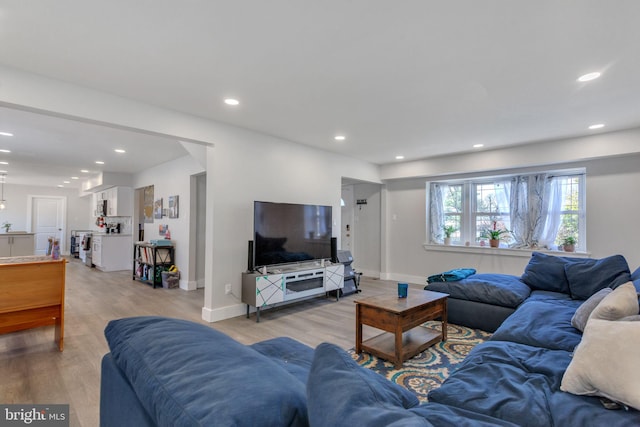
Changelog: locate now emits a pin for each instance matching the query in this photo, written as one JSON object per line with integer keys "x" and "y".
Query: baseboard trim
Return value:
{"x": 222, "y": 313}
{"x": 188, "y": 285}
{"x": 370, "y": 273}
{"x": 419, "y": 280}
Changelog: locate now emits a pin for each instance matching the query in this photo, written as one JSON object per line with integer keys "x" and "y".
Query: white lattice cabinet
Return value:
{"x": 289, "y": 284}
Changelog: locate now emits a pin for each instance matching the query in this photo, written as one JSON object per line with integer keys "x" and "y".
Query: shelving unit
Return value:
{"x": 149, "y": 261}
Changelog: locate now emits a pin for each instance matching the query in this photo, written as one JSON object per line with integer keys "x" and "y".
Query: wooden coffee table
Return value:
{"x": 399, "y": 317}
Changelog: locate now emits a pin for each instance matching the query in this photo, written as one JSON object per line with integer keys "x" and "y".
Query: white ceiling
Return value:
{"x": 419, "y": 78}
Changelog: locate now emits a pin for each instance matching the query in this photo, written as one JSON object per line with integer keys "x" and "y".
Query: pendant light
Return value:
{"x": 3, "y": 202}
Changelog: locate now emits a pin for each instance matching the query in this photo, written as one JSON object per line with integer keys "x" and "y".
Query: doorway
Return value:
{"x": 347, "y": 203}
{"x": 47, "y": 214}
{"x": 199, "y": 188}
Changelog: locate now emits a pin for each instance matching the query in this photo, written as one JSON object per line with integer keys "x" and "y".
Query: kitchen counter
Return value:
{"x": 16, "y": 243}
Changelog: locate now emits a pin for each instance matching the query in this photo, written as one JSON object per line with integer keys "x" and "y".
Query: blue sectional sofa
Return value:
{"x": 170, "y": 372}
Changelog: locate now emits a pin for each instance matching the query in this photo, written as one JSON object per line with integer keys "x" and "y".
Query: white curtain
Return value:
{"x": 436, "y": 211}
{"x": 535, "y": 206}
{"x": 555, "y": 195}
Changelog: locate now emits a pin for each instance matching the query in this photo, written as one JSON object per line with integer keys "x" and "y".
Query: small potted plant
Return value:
{"x": 7, "y": 226}
{"x": 569, "y": 244}
{"x": 494, "y": 235}
{"x": 448, "y": 231}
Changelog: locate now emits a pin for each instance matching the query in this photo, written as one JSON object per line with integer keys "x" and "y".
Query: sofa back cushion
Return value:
{"x": 590, "y": 275}
{"x": 546, "y": 272}
{"x": 340, "y": 392}
{"x": 190, "y": 374}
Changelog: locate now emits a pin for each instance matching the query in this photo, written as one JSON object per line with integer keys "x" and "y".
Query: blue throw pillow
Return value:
{"x": 340, "y": 392}
{"x": 585, "y": 279}
{"x": 546, "y": 272}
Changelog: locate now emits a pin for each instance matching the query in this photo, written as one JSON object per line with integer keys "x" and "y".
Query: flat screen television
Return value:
{"x": 287, "y": 233}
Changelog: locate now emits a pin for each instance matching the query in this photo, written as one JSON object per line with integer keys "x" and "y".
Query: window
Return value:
{"x": 537, "y": 210}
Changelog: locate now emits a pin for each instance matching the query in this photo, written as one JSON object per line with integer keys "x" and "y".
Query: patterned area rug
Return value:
{"x": 429, "y": 369}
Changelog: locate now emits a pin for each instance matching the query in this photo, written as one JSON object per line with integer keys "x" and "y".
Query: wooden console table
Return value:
{"x": 32, "y": 294}
{"x": 397, "y": 316}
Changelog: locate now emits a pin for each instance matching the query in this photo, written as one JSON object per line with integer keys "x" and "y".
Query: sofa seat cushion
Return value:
{"x": 521, "y": 384}
{"x": 190, "y": 374}
{"x": 589, "y": 276}
{"x": 542, "y": 321}
{"x": 497, "y": 289}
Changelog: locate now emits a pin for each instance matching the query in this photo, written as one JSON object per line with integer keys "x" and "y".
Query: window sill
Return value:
{"x": 499, "y": 251}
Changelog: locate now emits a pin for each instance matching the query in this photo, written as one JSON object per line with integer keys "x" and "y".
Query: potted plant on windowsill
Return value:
{"x": 494, "y": 235}
{"x": 569, "y": 244}
{"x": 448, "y": 231}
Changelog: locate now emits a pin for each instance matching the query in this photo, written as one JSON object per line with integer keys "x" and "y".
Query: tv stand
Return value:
{"x": 287, "y": 284}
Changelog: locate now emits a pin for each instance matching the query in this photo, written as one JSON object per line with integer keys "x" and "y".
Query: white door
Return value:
{"x": 47, "y": 221}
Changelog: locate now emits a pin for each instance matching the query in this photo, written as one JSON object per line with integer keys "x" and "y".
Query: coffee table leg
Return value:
{"x": 398, "y": 336}
{"x": 358, "y": 331}
{"x": 444, "y": 320}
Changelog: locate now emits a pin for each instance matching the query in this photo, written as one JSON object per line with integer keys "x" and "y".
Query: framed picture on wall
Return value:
{"x": 157, "y": 209}
{"x": 148, "y": 204}
{"x": 173, "y": 206}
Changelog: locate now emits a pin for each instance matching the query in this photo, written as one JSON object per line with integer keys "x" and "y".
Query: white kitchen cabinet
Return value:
{"x": 112, "y": 252}
{"x": 14, "y": 244}
{"x": 119, "y": 201}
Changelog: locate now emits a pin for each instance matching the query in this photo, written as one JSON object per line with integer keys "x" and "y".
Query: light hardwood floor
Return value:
{"x": 32, "y": 370}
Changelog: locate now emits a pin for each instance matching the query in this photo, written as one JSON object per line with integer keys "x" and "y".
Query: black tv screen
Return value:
{"x": 288, "y": 233}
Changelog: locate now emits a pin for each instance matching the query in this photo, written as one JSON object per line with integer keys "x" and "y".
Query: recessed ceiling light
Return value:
{"x": 99, "y": 162}
{"x": 84, "y": 171}
{"x": 399, "y": 157}
{"x": 231, "y": 101}
{"x": 66, "y": 182}
{"x": 339, "y": 137}
{"x": 4, "y": 151}
{"x": 6, "y": 134}
{"x": 478, "y": 145}
{"x": 74, "y": 177}
{"x": 588, "y": 77}
{"x": 598, "y": 126}
{"x": 60, "y": 186}
{"x": 119, "y": 150}
{"x": 1, "y": 171}
{"x": 4, "y": 163}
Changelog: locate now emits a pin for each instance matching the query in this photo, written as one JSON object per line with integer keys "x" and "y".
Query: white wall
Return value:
{"x": 612, "y": 225}
{"x": 172, "y": 179}
{"x": 17, "y": 208}
{"x": 246, "y": 167}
